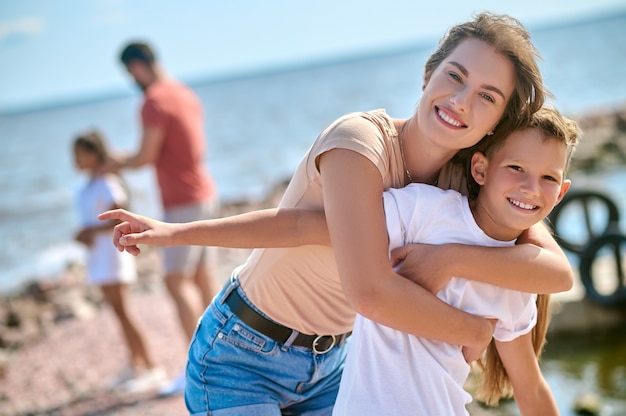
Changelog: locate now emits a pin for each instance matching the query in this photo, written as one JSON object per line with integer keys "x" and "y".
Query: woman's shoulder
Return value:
{"x": 369, "y": 133}
{"x": 378, "y": 117}
{"x": 374, "y": 125}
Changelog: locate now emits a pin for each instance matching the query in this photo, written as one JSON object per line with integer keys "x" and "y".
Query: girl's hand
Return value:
{"x": 136, "y": 229}
{"x": 85, "y": 236}
{"x": 422, "y": 264}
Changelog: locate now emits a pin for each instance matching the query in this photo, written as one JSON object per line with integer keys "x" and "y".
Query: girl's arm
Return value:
{"x": 86, "y": 234}
{"x": 535, "y": 265}
{"x": 531, "y": 391}
{"x": 264, "y": 228}
{"x": 353, "y": 189}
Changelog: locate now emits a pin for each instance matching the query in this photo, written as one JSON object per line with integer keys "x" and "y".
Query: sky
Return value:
{"x": 56, "y": 50}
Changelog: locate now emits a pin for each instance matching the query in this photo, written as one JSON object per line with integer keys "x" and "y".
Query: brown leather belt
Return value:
{"x": 318, "y": 343}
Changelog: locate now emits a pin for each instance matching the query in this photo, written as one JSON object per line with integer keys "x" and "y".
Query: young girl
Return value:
{"x": 275, "y": 339}
{"x": 107, "y": 268}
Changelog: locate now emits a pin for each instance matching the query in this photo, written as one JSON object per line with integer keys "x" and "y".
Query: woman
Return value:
{"x": 273, "y": 341}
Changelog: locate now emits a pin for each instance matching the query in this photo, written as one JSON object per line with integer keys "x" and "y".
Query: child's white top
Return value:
{"x": 104, "y": 263}
{"x": 389, "y": 372}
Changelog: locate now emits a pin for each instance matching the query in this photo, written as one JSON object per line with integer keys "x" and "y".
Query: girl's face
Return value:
{"x": 85, "y": 159}
{"x": 466, "y": 95}
{"x": 520, "y": 183}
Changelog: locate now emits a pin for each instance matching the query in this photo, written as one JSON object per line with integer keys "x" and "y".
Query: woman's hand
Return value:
{"x": 423, "y": 264}
{"x": 473, "y": 353}
{"x": 136, "y": 229}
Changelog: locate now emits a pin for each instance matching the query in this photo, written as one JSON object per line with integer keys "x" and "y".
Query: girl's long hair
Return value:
{"x": 494, "y": 382}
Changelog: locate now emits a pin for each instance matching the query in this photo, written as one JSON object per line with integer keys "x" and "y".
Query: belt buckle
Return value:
{"x": 318, "y": 339}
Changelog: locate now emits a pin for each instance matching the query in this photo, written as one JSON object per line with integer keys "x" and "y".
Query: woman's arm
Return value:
{"x": 264, "y": 228}
{"x": 353, "y": 189}
{"x": 532, "y": 393}
{"x": 535, "y": 265}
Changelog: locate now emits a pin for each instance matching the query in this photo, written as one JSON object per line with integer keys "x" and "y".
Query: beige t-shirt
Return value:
{"x": 299, "y": 287}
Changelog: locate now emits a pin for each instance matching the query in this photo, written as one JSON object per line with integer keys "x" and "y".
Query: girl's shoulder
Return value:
{"x": 107, "y": 179}
{"x": 113, "y": 182}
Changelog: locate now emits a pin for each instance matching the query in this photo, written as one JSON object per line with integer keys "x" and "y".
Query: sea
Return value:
{"x": 258, "y": 126}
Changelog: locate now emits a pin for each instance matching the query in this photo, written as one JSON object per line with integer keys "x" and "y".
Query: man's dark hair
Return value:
{"x": 138, "y": 51}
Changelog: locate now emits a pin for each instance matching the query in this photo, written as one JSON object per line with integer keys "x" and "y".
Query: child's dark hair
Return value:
{"x": 92, "y": 141}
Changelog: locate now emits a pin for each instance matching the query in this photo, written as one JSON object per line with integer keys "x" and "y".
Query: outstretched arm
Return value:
{"x": 535, "y": 265}
{"x": 264, "y": 228}
{"x": 531, "y": 391}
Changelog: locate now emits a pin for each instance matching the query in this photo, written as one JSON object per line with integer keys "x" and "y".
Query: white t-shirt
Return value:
{"x": 104, "y": 263}
{"x": 389, "y": 372}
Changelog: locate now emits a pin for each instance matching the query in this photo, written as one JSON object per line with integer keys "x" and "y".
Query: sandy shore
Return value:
{"x": 59, "y": 344}
{"x": 59, "y": 364}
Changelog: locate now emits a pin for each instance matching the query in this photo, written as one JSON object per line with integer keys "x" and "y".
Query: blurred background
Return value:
{"x": 271, "y": 75}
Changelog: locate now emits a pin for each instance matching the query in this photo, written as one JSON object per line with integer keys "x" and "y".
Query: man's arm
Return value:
{"x": 151, "y": 142}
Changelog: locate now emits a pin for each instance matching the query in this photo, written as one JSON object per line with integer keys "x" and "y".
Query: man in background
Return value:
{"x": 173, "y": 141}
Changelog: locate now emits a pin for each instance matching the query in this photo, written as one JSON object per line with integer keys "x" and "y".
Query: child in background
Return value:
{"x": 513, "y": 182}
{"x": 107, "y": 268}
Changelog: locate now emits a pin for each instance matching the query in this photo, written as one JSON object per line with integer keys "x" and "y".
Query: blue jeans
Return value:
{"x": 234, "y": 370}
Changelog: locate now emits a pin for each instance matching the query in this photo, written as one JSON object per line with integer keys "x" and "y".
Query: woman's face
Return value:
{"x": 466, "y": 95}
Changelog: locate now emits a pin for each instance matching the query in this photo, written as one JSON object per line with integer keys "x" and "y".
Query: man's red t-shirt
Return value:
{"x": 181, "y": 173}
